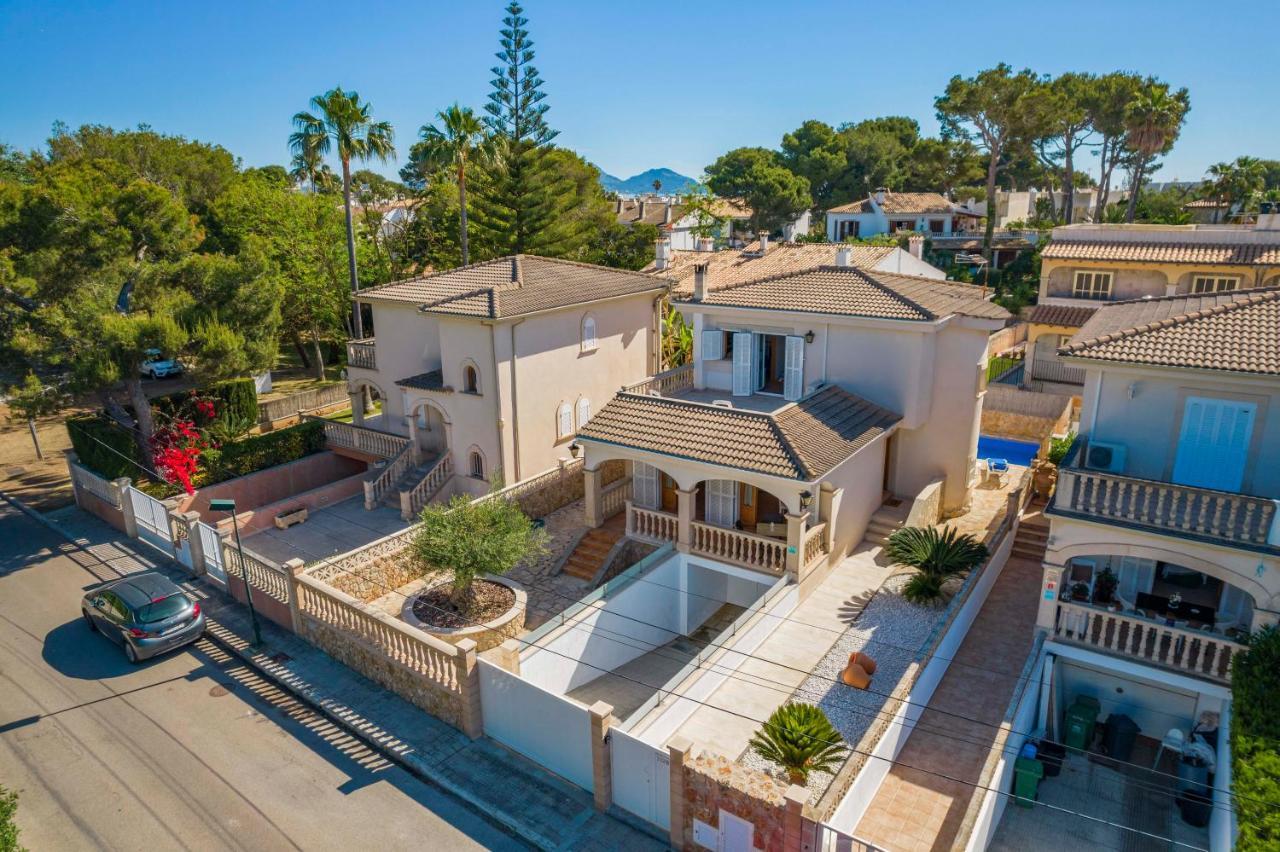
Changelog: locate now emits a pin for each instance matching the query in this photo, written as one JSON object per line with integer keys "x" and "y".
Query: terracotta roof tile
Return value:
{"x": 1189, "y": 251}
{"x": 849, "y": 291}
{"x": 803, "y": 441}
{"x": 512, "y": 286}
{"x": 429, "y": 381}
{"x": 1066, "y": 316}
{"x": 1238, "y": 331}
{"x": 900, "y": 203}
{"x": 734, "y": 266}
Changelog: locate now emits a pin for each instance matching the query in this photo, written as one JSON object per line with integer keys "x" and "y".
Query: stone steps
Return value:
{"x": 588, "y": 557}
{"x": 411, "y": 478}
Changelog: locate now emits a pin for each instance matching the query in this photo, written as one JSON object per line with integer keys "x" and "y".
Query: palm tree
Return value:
{"x": 1152, "y": 122}
{"x": 937, "y": 556}
{"x": 309, "y": 168}
{"x": 449, "y": 148}
{"x": 340, "y": 120}
{"x": 800, "y": 739}
{"x": 1236, "y": 182}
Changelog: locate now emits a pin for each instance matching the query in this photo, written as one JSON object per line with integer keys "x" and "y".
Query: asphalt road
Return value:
{"x": 189, "y": 751}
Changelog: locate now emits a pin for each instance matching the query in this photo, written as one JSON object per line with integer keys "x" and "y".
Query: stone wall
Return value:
{"x": 1010, "y": 412}
{"x": 713, "y": 782}
{"x": 275, "y": 413}
{"x": 379, "y": 575}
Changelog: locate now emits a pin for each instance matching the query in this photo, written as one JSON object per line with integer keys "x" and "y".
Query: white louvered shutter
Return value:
{"x": 584, "y": 412}
{"x": 793, "y": 375}
{"x": 1214, "y": 443}
{"x": 743, "y": 361}
{"x": 712, "y": 345}
{"x": 644, "y": 485}
{"x": 564, "y": 421}
{"x": 722, "y": 502}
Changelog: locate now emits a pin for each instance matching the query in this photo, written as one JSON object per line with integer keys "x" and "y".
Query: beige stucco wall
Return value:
{"x": 407, "y": 343}
{"x": 1135, "y": 280}
{"x": 1149, "y": 423}
{"x": 861, "y": 478}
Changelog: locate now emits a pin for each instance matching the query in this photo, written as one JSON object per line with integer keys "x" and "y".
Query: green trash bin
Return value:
{"x": 1027, "y": 772}
{"x": 1081, "y": 717}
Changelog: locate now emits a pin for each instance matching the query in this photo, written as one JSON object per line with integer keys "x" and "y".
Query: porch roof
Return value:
{"x": 429, "y": 381}
{"x": 802, "y": 441}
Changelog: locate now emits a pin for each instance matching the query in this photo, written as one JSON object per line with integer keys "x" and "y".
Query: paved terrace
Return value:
{"x": 327, "y": 532}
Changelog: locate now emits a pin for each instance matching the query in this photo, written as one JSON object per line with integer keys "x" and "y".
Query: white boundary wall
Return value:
{"x": 864, "y": 787}
{"x": 641, "y": 775}
{"x": 549, "y": 729}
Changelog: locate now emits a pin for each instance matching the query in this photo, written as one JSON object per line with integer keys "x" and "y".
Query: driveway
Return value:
{"x": 189, "y": 751}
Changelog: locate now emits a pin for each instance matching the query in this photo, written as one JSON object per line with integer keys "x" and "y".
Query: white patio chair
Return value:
{"x": 1174, "y": 741}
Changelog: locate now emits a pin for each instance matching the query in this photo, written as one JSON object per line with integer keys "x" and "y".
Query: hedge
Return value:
{"x": 257, "y": 452}
{"x": 1255, "y": 742}
{"x": 103, "y": 446}
{"x": 233, "y": 399}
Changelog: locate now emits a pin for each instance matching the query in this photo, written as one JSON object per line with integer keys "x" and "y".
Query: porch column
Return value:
{"x": 795, "y": 543}
{"x": 413, "y": 440}
{"x": 592, "y": 482}
{"x": 1264, "y": 618}
{"x": 684, "y": 526}
{"x": 357, "y": 407}
{"x": 1050, "y": 589}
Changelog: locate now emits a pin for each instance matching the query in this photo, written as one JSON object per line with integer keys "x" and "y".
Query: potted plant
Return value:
{"x": 800, "y": 739}
{"x": 474, "y": 542}
{"x": 1080, "y": 592}
{"x": 1104, "y": 586}
{"x": 937, "y": 556}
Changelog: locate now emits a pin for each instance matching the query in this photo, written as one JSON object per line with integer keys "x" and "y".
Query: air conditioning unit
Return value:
{"x": 1105, "y": 457}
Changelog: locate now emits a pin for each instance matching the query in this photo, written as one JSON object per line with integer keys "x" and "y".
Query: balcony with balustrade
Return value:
{"x": 362, "y": 354}
{"x": 1182, "y": 511}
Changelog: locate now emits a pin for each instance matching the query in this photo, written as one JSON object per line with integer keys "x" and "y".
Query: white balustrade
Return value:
{"x": 412, "y": 501}
{"x": 398, "y": 466}
{"x": 665, "y": 383}
{"x": 1196, "y": 652}
{"x": 815, "y": 544}
{"x": 261, "y": 574}
{"x": 741, "y": 548}
{"x": 651, "y": 524}
{"x": 360, "y": 438}
{"x": 614, "y": 497}
{"x": 362, "y": 353}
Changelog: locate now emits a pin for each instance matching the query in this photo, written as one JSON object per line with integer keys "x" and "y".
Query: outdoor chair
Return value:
{"x": 997, "y": 470}
{"x": 1174, "y": 741}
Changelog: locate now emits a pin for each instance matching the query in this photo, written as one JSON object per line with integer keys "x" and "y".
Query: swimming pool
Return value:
{"x": 1015, "y": 452}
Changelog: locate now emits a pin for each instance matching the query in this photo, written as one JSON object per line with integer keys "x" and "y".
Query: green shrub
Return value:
{"x": 236, "y": 400}
{"x": 1059, "y": 447}
{"x": 8, "y": 825}
{"x": 104, "y": 446}
{"x": 258, "y": 452}
{"x": 800, "y": 739}
{"x": 936, "y": 555}
{"x": 1255, "y": 730}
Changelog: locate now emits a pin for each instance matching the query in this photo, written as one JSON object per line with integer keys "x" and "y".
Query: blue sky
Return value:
{"x": 631, "y": 85}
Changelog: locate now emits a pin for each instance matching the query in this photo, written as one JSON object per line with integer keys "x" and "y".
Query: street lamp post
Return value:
{"x": 230, "y": 506}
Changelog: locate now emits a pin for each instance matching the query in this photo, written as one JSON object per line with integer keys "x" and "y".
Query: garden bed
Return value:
{"x": 496, "y": 616}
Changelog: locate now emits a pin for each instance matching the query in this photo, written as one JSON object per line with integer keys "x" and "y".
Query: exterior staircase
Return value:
{"x": 411, "y": 477}
{"x": 593, "y": 548}
{"x": 887, "y": 520}
{"x": 1033, "y": 535}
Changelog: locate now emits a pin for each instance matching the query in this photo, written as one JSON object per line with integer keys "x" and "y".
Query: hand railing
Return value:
{"x": 362, "y": 353}
{"x": 412, "y": 501}
{"x": 650, "y": 523}
{"x": 665, "y": 383}
{"x": 742, "y": 548}
{"x": 398, "y": 466}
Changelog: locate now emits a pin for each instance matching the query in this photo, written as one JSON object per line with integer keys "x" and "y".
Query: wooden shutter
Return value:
{"x": 1214, "y": 443}
{"x": 644, "y": 485}
{"x": 793, "y": 374}
{"x": 743, "y": 361}
{"x": 712, "y": 345}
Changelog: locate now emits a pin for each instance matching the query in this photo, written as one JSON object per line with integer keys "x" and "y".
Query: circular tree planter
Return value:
{"x": 503, "y": 618}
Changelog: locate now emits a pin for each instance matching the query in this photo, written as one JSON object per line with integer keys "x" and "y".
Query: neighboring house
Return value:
{"x": 1020, "y": 206}
{"x": 885, "y": 212}
{"x": 1005, "y": 247}
{"x": 678, "y": 226}
{"x": 1207, "y": 211}
{"x": 1169, "y": 493}
{"x": 494, "y": 366}
{"x": 395, "y": 215}
{"x": 1085, "y": 266}
{"x": 813, "y": 397}
{"x": 766, "y": 257}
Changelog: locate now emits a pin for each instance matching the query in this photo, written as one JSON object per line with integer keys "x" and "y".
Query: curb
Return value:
{"x": 417, "y": 768}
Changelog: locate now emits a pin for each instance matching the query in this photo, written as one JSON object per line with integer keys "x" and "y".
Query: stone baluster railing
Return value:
{"x": 412, "y": 501}
{"x": 614, "y": 497}
{"x": 650, "y": 523}
{"x": 815, "y": 544}
{"x": 666, "y": 383}
{"x": 741, "y": 548}
{"x": 261, "y": 574}
{"x": 375, "y": 489}
{"x": 362, "y": 353}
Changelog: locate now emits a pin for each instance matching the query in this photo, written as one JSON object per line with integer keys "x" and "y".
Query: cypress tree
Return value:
{"x": 524, "y": 203}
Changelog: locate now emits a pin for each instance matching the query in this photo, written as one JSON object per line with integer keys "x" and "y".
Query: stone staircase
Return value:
{"x": 411, "y": 477}
{"x": 593, "y": 548}
{"x": 1033, "y": 535}
{"x": 888, "y": 519}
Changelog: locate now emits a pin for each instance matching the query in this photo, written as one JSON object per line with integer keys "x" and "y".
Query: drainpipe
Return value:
{"x": 515, "y": 405}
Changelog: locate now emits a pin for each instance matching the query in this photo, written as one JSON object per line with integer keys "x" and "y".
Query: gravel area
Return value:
{"x": 852, "y": 711}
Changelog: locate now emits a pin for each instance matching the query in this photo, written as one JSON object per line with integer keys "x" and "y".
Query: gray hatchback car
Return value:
{"x": 145, "y": 613}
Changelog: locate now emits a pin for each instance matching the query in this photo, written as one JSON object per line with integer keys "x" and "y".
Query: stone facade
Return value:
{"x": 713, "y": 782}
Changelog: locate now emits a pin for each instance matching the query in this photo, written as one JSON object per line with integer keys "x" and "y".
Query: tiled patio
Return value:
{"x": 327, "y": 532}
{"x": 914, "y": 810}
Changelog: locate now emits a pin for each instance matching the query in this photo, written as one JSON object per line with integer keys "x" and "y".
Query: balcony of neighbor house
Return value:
{"x": 1093, "y": 487}
{"x": 362, "y": 354}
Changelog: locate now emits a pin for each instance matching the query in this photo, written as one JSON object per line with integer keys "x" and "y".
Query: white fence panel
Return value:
{"x": 641, "y": 778}
{"x": 547, "y": 728}
{"x": 211, "y": 546}
{"x": 152, "y": 517}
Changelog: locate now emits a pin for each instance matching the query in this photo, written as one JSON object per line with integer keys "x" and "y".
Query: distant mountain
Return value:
{"x": 672, "y": 182}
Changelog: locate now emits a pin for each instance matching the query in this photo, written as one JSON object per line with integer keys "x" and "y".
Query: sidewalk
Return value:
{"x": 528, "y": 801}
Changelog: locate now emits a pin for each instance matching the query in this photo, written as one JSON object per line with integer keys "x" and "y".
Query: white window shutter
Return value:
{"x": 793, "y": 376}
{"x": 712, "y": 345}
{"x": 644, "y": 485}
{"x": 564, "y": 418}
{"x": 722, "y": 502}
{"x": 584, "y": 412}
{"x": 589, "y": 333}
{"x": 743, "y": 361}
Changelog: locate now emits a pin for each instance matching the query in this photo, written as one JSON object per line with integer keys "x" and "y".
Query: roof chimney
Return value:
{"x": 640, "y": 210}
{"x": 661, "y": 254}
{"x": 880, "y": 191}
{"x": 699, "y": 282}
{"x": 515, "y": 269}
{"x": 666, "y": 214}
{"x": 764, "y": 244}
{"x": 706, "y": 244}
{"x": 915, "y": 245}
{"x": 844, "y": 256}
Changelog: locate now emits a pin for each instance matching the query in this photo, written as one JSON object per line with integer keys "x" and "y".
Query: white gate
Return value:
{"x": 211, "y": 547}
{"x": 641, "y": 778}
{"x": 152, "y": 517}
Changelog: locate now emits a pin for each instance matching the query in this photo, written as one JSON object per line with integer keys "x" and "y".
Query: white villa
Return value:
{"x": 678, "y": 226}
{"x": 885, "y": 212}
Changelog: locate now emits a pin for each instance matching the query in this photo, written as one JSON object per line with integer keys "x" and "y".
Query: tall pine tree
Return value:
{"x": 525, "y": 204}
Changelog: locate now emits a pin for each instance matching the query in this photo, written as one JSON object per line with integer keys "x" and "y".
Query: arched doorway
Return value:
{"x": 740, "y": 505}
{"x": 430, "y": 429}
{"x": 367, "y": 403}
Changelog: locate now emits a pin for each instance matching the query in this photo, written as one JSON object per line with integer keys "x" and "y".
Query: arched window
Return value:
{"x": 564, "y": 421}
{"x": 588, "y": 333}
{"x": 470, "y": 379}
{"x": 584, "y": 411}
{"x": 475, "y": 464}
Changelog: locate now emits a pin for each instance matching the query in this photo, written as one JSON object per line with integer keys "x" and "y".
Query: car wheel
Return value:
{"x": 131, "y": 653}
{"x": 88, "y": 619}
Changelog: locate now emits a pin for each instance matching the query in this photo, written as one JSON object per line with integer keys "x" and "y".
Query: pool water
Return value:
{"x": 1015, "y": 452}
